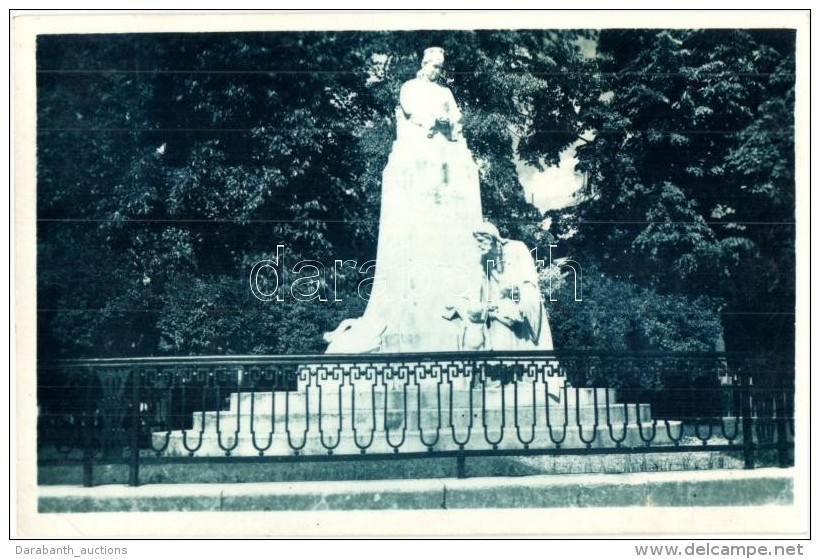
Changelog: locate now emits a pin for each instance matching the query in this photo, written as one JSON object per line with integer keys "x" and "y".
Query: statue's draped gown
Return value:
{"x": 426, "y": 256}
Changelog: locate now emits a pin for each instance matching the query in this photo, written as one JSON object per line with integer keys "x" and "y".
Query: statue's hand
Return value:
{"x": 477, "y": 313}
{"x": 455, "y": 132}
{"x": 507, "y": 313}
{"x": 472, "y": 311}
{"x": 511, "y": 292}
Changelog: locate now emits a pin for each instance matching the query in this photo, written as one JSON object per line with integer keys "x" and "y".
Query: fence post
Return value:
{"x": 134, "y": 443}
{"x": 88, "y": 427}
{"x": 781, "y": 417}
{"x": 746, "y": 417}
{"x": 461, "y": 466}
{"x": 86, "y": 434}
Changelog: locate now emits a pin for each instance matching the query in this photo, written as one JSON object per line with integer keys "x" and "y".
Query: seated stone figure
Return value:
{"x": 509, "y": 313}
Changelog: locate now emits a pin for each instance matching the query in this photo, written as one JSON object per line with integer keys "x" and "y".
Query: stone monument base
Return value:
{"x": 424, "y": 417}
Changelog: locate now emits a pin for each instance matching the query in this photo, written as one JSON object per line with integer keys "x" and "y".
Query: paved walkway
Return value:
{"x": 660, "y": 489}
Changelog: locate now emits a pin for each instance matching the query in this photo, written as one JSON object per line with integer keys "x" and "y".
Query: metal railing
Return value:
{"x": 352, "y": 407}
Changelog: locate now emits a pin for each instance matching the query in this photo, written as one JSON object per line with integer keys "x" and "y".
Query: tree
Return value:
{"x": 689, "y": 176}
{"x": 169, "y": 164}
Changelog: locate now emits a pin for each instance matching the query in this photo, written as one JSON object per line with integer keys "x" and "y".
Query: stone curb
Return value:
{"x": 662, "y": 489}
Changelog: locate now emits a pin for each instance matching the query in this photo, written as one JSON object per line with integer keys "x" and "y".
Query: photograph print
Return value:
{"x": 420, "y": 269}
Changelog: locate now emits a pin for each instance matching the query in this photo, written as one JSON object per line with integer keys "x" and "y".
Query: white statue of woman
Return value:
{"x": 425, "y": 107}
{"x": 430, "y": 202}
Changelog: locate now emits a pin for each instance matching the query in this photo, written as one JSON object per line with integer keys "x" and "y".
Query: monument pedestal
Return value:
{"x": 429, "y": 415}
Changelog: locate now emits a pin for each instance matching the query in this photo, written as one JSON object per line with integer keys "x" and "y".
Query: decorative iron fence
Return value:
{"x": 350, "y": 407}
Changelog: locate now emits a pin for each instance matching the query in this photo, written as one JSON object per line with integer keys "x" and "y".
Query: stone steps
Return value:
{"x": 429, "y": 395}
{"x": 380, "y": 419}
{"x": 244, "y": 421}
{"x": 406, "y": 441}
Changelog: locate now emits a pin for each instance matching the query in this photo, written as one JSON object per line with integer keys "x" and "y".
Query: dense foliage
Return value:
{"x": 168, "y": 164}
{"x": 690, "y": 175}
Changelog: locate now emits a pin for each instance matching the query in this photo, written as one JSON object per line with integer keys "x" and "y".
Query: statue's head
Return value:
{"x": 487, "y": 237}
{"x": 431, "y": 63}
{"x": 433, "y": 55}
